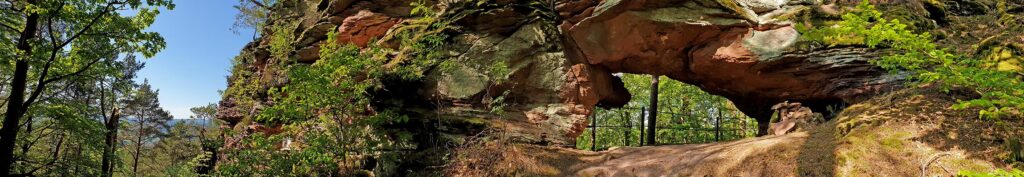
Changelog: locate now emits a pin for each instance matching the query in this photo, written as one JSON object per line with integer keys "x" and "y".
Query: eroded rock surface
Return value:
{"x": 740, "y": 51}
{"x": 560, "y": 69}
{"x": 791, "y": 117}
{"x": 559, "y": 66}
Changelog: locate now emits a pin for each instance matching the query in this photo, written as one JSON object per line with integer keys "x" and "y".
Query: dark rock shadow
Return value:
{"x": 817, "y": 154}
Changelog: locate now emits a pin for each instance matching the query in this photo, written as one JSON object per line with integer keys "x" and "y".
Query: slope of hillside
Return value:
{"x": 909, "y": 132}
{"x": 484, "y": 88}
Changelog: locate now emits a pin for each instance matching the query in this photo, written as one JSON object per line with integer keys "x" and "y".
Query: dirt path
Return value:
{"x": 763, "y": 156}
{"x": 892, "y": 135}
{"x": 817, "y": 155}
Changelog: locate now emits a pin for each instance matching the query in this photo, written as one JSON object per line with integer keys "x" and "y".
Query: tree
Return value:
{"x": 687, "y": 114}
{"x": 61, "y": 130}
{"x": 210, "y": 142}
{"x": 114, "y": 91}
{"x": 151, "y": 121}
{"x": 173, "y": 155}
{"x": 652, "y": 119}
{"x": 61, "y": 39}
{"x": 252, "y": 14}
{"x": 205, "y": 113}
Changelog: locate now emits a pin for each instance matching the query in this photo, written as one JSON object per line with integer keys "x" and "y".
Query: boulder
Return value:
{"x": 793, "y": 116}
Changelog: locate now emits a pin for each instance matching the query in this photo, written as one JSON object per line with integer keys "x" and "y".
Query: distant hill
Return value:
{"x": 187, "y": 121}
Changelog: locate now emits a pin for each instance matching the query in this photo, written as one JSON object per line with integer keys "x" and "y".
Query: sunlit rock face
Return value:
{"x": 741, "y": 50}
{"x": 546, "y": 97}
{"x": 557, "y": 69}
{"x": 560, "y": 66}
{"x": 543, "y": 97}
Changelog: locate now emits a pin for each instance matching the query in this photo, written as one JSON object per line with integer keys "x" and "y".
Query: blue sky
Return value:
{"x": 200, "y": 46}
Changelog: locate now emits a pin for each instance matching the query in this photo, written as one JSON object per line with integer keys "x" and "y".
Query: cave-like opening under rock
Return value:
{"x": 686, "y": 114}
{"x": 755, "y": 64}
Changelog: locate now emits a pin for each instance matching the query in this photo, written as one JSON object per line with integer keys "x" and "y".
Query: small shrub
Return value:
{"x": 1001, "y": 92}
{"x": 996, "y": 173}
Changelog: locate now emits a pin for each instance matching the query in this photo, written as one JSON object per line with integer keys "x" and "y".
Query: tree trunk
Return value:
{"x": 111, "y": 143}
{"x": 652, "y": 115}
{"x": 629, "y": 128}
{"x": 207, "y": 147}
{"x": 28, "y": 129}
{"x": 16, "y": 100}
{"x": 78, "y": 153}
{"x": 643, "y": 113}
{"x": 593, "y": 132}
{"x": 138, "y": 147}
{"x": 718, "y": 125}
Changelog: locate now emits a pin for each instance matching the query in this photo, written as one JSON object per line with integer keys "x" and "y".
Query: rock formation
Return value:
{"x": 891, "y": 135}
{"x": 561, "y": 67}
{"x": 792, "y": 116}
{"x": 742, "y": 51}
{"x": 561, "y": 57}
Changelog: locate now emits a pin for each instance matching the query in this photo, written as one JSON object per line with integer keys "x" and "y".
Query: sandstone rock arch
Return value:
{"x": 743, "y": 52}
{"x": 561, "y": 68}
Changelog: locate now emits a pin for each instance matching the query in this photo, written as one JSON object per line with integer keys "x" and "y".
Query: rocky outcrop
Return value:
{"x": 791, "y": 117}
{"x": 533, "y": 73}
{"x": 364, "y": 26}
{"x": 502, "y": 71}
{"x": 536, "y": 76}
{"x": 547, "y": 95}
{"x": 742, "y": 50}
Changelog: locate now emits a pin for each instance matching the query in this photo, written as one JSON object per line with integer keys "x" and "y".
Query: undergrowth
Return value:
{"x": 992, "y": 77}
{"x": 1002, "y": 93}
{"x": 327, "y": 124}
{"x": 996, "y": 173}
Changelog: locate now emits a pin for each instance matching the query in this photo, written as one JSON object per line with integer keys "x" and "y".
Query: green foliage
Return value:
{"x": 326, "y": 108}
{"x": 281, "y": 41}
{"x": 996, "y": 173}
{"x": 82, "y": 64}
{"x": 243, "y": 83}
{"x": 337, "y": 85}
{"x": 174, "y": 154}
{"x": 334, "y": 86}
{"x": 1001, "y": 92}
{"x": 499, "y": 71}
{"x": 1015, "y": 156}
{"x": 316, "y": 148}
{"x": 865, "y": 26}
{"x": 262, "y": 157}
{"x": 252, "y": 14}
{"x": 687, "y": 115}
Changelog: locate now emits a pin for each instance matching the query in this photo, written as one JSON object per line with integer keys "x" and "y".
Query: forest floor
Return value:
{"x": 906, "y": 133}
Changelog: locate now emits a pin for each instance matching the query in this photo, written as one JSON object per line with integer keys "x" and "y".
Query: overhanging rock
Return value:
{"x": 742, "y": 50}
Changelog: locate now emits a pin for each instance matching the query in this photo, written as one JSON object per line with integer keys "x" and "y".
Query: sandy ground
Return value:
{"x": 907, "y": 133}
